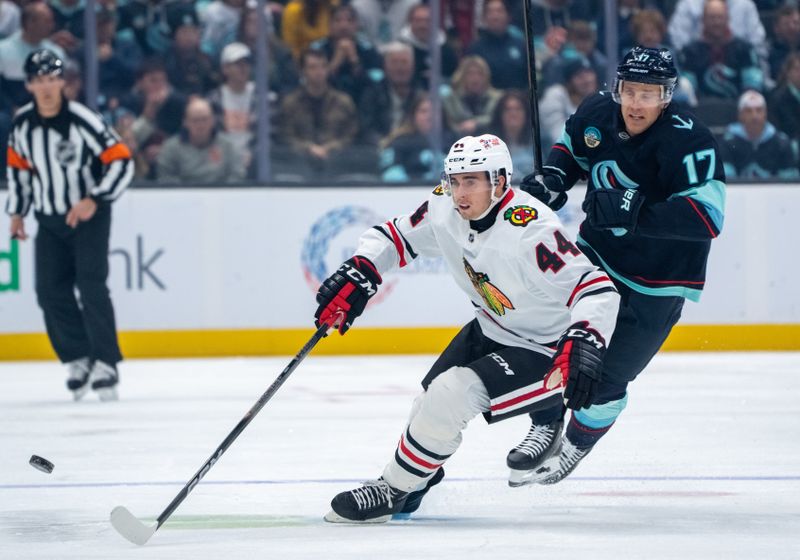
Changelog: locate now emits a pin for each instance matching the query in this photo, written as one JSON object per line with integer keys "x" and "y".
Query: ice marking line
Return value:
{"x": 778, "y": 478}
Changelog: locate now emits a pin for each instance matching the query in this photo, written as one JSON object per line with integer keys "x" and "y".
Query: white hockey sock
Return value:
{"x": 434, "y": 432}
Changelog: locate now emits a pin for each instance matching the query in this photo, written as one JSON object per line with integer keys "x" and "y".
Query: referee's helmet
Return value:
{"x": 43, "y": 62}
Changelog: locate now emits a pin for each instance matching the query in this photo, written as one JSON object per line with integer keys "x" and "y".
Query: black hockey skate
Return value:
{"x": 414, "y": 498}
{"x": 568, "y": 458}
{"x": 374, "y": 502}
{"x": 78, "y": 380}
{"x": 529, "y": 460}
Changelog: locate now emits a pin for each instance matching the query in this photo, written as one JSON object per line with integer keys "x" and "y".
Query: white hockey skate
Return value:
{"x": 78, "y": 377}
{"x": 104, "y": 379}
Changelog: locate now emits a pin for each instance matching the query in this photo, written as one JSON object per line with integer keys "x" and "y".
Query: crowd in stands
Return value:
{"x": 348, "y": 79}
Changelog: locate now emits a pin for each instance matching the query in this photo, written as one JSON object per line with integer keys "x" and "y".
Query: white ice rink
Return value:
{"x": 704, "y": 464}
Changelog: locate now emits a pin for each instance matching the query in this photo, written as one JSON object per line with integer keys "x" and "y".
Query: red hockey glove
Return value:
{"x": 344, "y": 295}
{"x": 579, "y": 357}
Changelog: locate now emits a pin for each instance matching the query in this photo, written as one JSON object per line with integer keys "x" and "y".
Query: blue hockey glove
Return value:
{"x": 543, "y": 187}
{"x": 579, "y": 357}
{"x": 613, "y": 208}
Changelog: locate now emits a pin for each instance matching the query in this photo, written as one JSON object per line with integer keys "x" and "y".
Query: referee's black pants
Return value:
{"x": 66, "y": 259}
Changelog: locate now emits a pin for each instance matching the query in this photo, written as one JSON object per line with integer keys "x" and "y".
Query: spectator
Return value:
{"x": 68, "y": 16}
{"x": 305, "y": 21}
{"x": 282, "y": 71}
{"x": 460, "y": 20}
{"x": 352, "y": 57}
{"x": 159, "y": 108}
{"x": 627, "y": 10}
{"x": 581, "y": 44}
{"x": 786, "y": 40}
{"x": 785, "y": 101}
{"x": 118, "y": 58}
{"x": 36, "y": 26}
{"x": 147, "y": 22}
{"x": 407, "y": 154}
{"x": 319, "y": 123}
{"x": 753, "y": 148}
{"x": 387, "y": 101}
{"x": 511, "y": 121}
{"x": 720, "y": 64}
{"x": 189, "y": 69}
{"x": 688, "y": 22}
{"x": 73, "y": 82}
{"x": 235, "y": 100}
{"x": 469, "y": 105}
{"x": 561, "y": 101}
{"x": 504, "y": 51}
{"x": 9, "y": 18}
{"x": 417, "y": 34}
{"x": 199, "y": 154}
{"x": 220, "y": 23}
{"x": 551, "y": 14}
{"x": 382, "y": 20}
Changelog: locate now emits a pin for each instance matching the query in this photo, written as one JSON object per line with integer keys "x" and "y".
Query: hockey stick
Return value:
{"x": 137, "y": 532}
{"x": 533, "y": 90}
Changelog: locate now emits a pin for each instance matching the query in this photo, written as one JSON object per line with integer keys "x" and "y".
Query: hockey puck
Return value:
{"x": 42, "y": 464}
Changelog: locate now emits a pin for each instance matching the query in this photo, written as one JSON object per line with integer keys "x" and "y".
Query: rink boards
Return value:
{"x": 233, "y": 271}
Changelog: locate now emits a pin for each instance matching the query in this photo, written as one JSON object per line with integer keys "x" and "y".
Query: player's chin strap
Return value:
{"x": 494, "y": 199}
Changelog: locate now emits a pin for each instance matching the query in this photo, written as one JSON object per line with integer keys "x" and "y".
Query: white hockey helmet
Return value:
{"x": 487, "y": 153}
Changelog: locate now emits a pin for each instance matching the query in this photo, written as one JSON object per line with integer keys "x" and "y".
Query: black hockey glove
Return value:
{"x": 613, "y": 208}
{"x": 344, "y": 295}
{"x": 544, "y": 188}
{"x": 579, "y": 357}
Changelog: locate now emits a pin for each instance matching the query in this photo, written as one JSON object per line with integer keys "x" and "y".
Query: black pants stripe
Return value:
{"x": 67, "y": 259}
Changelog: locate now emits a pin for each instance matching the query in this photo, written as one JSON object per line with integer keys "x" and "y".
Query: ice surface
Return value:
{"x": 704, "y": 464}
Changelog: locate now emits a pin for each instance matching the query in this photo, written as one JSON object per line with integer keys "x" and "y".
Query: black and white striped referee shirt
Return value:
{"x": 55, "y": 162}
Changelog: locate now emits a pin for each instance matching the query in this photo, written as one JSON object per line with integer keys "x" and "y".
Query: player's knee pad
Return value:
{"x": 600, "y": 416}
{"x": 452, "y": 399}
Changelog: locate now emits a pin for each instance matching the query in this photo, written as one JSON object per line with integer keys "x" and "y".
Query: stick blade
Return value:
{"x": 131, "y": 528}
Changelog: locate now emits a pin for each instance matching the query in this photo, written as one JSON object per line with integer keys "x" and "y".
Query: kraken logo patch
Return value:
{"x": 592, "y": 137}
{"x": 491, "y": 295}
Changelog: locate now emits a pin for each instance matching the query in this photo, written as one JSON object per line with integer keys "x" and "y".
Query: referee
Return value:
{"x": 69, "y": 165}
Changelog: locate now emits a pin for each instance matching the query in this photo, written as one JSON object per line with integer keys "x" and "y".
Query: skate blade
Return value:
{"x": 538, "y": 475}
{"x": 333, "y": 517}
{"x": 107, "y": 394}
{"x": 77, "y": 394}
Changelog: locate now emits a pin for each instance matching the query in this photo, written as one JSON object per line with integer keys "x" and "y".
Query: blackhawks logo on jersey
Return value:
{"x": 521, "y": 215}
{"x": 492, "y": 296}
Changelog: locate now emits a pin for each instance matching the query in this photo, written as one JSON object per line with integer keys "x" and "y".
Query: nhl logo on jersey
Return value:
{"x": 521, "y": 215}
{"x": 65, "y": 152}
{"x": 592, "y": 137}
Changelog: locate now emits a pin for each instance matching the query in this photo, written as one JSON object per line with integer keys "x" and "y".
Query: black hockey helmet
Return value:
{"x": 43, "y": 62}
{"x": 647, "y": 66}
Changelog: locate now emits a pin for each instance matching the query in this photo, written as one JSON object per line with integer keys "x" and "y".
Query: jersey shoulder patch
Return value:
{"x": 520, "y": 215}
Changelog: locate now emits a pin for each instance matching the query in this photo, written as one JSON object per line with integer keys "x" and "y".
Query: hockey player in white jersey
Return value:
{"x": 543, "y": 316}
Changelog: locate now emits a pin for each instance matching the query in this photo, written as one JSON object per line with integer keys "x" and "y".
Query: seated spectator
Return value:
{"x": 147, "y": 23}
{"x": 561, "y": 101}
{"x": 68, "y": 17}
{"x": 417, "y": 34}
{"x": 282, "y": 71}
{"x": 9, "y": 18}
{"x": 581, "y": 43}
{"x": 305, "y": 21}
{"x": 382, "y": 20}
{"x": 157, "y": 106}
{"x": 784, "y": 106}
{"x": 720, "y": 64}
{"x": 627, "y": 10}
{"x": 753, "y": 148}
{"x": 687, "y": 24}
{"x": 407, "y": 154}
{"x": 511, "y": 121}
{"x": 385, "y": 103}
{"x": 319, "y": 123}
{"x": 73, "y": 82}
{"x": 649, "y": 29}
{"x": 469, "y": 105}
{"x": 189, "y": 69}
{"x": 460, "y": 20}
{"x": 36, "y": 26}
{"x": 352, "y": 57}
{"x": 786, "y": 37}
{"x": 235, "y": 100}
{"x": 199, "y": 153}
{"x": 220, "y": 23}
{"x": 550, "y": 14}
{"x": 504, "y": 51}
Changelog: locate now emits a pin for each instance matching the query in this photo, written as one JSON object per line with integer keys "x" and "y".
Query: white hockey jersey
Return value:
{"x": 527, "y": 280}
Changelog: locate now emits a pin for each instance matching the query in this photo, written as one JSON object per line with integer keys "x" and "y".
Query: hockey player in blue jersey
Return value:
{"x": 655, "y": 200}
